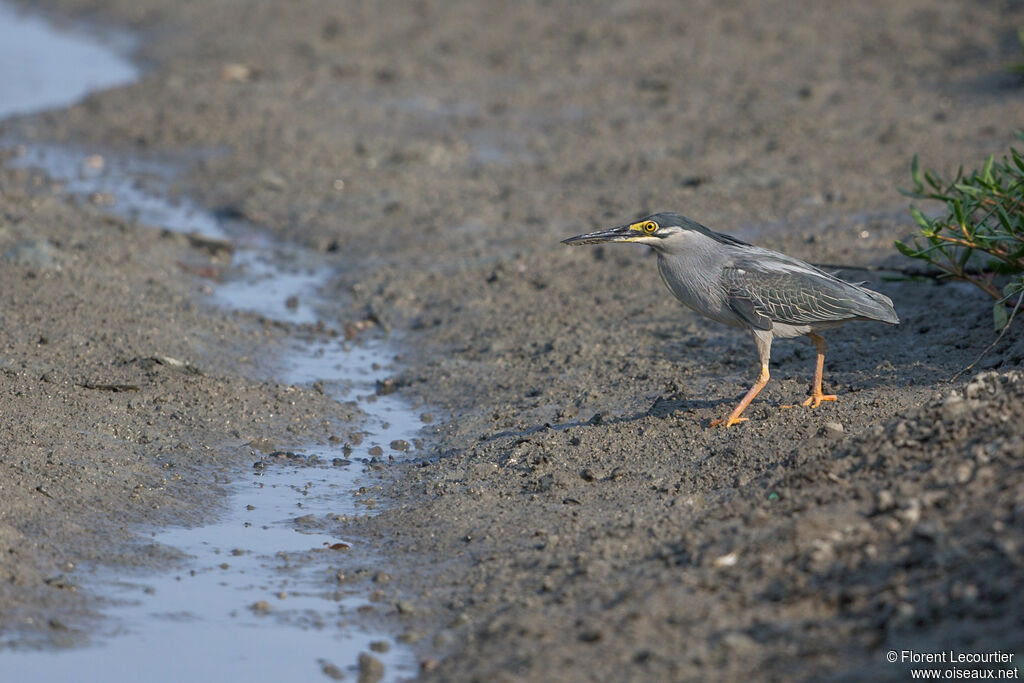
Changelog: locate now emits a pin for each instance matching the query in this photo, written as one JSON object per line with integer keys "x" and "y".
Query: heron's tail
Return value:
{"x": 879, "y": 307}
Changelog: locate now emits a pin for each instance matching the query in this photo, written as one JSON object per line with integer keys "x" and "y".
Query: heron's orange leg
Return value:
{"x": 734, "y": 416}
{"x": 816, "y": 397}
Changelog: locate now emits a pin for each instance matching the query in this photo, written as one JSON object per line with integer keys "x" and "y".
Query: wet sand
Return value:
{"x": 574, "y": 517}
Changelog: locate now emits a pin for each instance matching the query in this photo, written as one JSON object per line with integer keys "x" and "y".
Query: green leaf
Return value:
{"x": 1004, "y": 217}
{"x": 986, "y": 170}
{"x": 915, "y": 174}
{"x": 919, "y": 217}
{"x": 958, "y": 212}
{"x": 999, "y": 316}
{"x": 1018, "y": 160}
{"x": 905, "y": 250}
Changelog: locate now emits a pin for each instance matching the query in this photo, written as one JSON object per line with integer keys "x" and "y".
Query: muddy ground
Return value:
{"x": 575, "y": 518}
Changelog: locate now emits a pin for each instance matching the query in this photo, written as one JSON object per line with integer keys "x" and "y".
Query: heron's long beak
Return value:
{"x": 623, "y": 233}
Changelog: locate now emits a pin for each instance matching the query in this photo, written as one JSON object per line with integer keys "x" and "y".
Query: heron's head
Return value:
{"x": 663, "y": 231}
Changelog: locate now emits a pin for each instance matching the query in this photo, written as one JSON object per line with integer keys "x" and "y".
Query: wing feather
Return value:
{"x": 796, "y": 294}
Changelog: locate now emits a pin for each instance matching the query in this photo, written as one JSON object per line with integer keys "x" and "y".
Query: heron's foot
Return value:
{"x": 814, "y": 400}
{"x": 728, "y": 421}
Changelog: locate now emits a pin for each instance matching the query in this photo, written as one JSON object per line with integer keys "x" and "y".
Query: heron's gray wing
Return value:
{"x": 790, "y": 295}
{"x": 745, "y": 308}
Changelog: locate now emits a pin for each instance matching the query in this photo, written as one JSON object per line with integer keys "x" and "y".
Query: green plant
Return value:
{"x": 980, "y": 236}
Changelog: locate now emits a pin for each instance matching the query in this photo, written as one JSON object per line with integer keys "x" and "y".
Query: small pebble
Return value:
{"x": 400, "y": 445}
{"x": 331, "y": 671}
{"x": 376, "y": 450}
{"x": 261, "y": 606}
{"x": 832, "y": 429}
{"x": 381, "y": 646}
{"x": 371, "y": 669}
{"x": 884, "y": 501}
{"x": 235, "y": 72}
{"x": 727, "y": 560}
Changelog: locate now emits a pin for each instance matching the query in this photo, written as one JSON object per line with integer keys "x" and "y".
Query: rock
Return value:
{"x": 964, "y": 472}
{"x": 331, "y": 671}
{"x": 400, "y": 445}
{"x": 832, "y": 429}
{"x": 911, "y": 512}
{"x": 954, "y": 406}
{"x": 237, "y": 73}
{"x": 884, "y": 501}
{"x": 386, "y": 386}
{"x": 371, "y": 669}
{"x": 727, "y": 560}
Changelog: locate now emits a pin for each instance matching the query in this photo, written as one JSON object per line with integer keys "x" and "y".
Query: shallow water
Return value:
{"x": 44, "y": 67}
{"x": 198, "y": 622}
{"x": 209, "y": 610}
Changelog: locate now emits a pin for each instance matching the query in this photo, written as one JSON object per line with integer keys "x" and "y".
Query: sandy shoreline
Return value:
{"x": 577, "y": 518}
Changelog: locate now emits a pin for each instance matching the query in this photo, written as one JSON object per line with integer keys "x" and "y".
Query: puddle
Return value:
{"x": 205, "y": 609}
{"x": 277, "y": 281}
{"x": 302, "y": 621}
{"x": 44, "y": 67}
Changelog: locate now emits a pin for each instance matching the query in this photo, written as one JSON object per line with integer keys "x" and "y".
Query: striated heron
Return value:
{"x": 768, "y": 293}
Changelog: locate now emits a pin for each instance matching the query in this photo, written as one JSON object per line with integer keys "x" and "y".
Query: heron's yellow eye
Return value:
{"x": 650, "y": 227}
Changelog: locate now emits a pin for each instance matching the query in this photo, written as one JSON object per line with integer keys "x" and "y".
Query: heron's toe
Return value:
{"x": 815, "y": 400}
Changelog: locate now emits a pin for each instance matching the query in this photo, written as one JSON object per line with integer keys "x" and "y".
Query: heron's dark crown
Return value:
{"x": 668, "y": 219}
